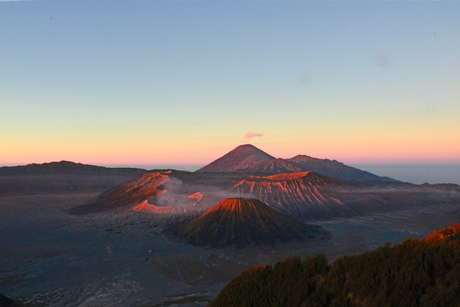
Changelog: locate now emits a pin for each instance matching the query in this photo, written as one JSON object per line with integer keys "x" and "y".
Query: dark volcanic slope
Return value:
{"x": 333, "y": 168}
{"x": 61, "y": 177}
{"x": 239, "y": 158}
{"x": 241, "y": 222}
{"x": 277, "y": 166}
{"x": 249, "y": 159}
{"x": 456, "y": 213}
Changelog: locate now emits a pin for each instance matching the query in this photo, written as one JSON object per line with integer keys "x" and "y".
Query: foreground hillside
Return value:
{"x": 415, "y": 273}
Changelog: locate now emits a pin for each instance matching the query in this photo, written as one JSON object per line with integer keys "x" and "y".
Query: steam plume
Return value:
{"x": 249, "y": 135}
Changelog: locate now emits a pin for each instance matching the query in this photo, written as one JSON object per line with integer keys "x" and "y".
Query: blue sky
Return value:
{"x": 144, "y": 82}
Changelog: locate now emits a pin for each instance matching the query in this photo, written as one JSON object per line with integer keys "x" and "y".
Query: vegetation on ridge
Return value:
{"x": 414, "y": 273}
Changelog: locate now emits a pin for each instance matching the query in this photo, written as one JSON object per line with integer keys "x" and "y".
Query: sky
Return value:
{"x": 184, "y": 82}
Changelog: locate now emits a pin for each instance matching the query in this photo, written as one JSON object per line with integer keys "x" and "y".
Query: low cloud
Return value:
{"x": 249, "y": 135}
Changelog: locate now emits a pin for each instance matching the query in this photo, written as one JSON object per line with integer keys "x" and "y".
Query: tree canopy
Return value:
{"x": 414, "y": 273}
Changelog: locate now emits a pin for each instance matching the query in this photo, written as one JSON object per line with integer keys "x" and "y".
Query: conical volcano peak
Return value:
{"x": 241, "y": 222}
{"x": 250, "y": 150}
{"x": 244, "y": 151}
{"x": 239, "y": 158}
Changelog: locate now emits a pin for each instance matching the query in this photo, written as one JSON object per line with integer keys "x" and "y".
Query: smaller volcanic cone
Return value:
{"x": 241, "y": 222}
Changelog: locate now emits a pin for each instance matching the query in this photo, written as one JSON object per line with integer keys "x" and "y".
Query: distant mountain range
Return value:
{"x": 294, "y": 187}
{"x": 70, "y": 177}
{"x": 62, "y": 177}
{"x": 67, "y": 167}
{"x": 250, "y": 159}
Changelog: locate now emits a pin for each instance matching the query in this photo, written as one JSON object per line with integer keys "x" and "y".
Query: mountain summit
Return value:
{"x": 239, "y": 158}
{"x": 241, "y": 222}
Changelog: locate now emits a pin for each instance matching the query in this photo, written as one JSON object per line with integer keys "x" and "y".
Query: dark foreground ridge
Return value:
{"x": 415, "y": 273}
{"x": 6, "y": 302}
{"x": 241, "y": 222}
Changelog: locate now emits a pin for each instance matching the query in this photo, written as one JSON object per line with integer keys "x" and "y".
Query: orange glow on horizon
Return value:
{"x": 395, "y": 147}
{"x": 345, "y": 155}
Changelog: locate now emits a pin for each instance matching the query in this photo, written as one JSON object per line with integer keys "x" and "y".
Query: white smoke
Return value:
{"x": 249, "y": 135}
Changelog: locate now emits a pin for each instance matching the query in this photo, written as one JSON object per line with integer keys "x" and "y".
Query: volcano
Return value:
{"x": 241, "y": 222}
{"x": 168, "y": 191}
{"x": 249, "y": 159}
{"x": 128, "y": 193}
{"x": 240, "y": 158}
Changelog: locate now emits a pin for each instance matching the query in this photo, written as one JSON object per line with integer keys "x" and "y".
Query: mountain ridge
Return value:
{"x": 249, "y": 159}
{"x": 61, "y": 177}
